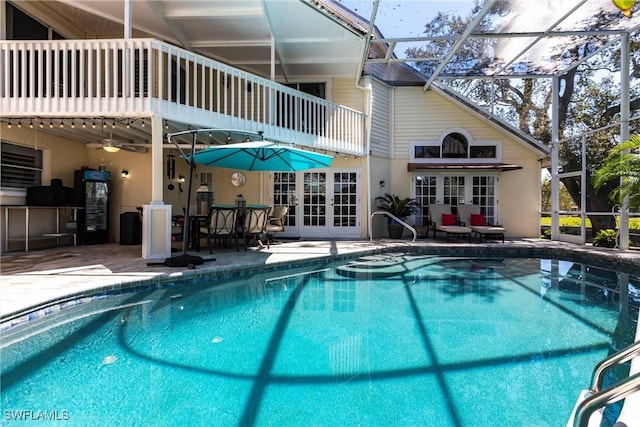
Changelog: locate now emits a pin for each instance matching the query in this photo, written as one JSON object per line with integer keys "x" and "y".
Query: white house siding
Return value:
{"x": 420, "y": 115}
{"x": 380, "y": 119}
{"x": 381, "y": 172}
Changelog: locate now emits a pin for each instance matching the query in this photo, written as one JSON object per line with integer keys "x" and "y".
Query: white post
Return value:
{"x": 583, "y": 192}
{"x": 555, "y": 181}
{"x": 624, "y": 132}
{"x": 156, "y": 216}
{"x": 128, "y": 19}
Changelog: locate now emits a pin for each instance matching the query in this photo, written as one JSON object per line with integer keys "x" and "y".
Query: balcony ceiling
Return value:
{"x": 236, "y": 32}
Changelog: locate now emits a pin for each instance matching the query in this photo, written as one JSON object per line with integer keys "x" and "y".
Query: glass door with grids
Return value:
{"x": 314, "y": 202}
{"x": 345, "y": 204}
{"x": 453, "y": 190}
{"x": 285, "y": 194}
{"x": 321, "y": 203}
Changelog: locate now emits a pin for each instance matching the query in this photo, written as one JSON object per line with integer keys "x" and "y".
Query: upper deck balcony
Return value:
{"x": 137, "y": 78}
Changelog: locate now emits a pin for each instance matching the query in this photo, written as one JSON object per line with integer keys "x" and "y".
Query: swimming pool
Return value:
{"x": 393, "y": 339}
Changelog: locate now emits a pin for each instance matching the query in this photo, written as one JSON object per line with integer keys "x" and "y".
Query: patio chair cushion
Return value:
{"x": 448, "y": 219}
{"x": 478, "y": 219}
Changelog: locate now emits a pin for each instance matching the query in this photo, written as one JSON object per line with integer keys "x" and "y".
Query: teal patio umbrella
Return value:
{"x": 257, "y": 154}
{"x": 261, "y": 156}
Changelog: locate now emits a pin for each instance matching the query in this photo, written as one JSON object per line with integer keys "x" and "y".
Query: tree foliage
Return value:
{"x": 622, "y": 165}
{"x": 566, "y": 202}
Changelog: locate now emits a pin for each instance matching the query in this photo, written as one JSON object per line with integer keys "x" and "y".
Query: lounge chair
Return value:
{"x": 471, "y": 216}
{"x": 443, "y": 220}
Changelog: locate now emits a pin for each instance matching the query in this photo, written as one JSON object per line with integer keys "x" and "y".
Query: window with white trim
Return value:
{"x": 455, "y": 145}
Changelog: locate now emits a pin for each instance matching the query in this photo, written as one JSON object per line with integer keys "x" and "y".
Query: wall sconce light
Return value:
{"x": 382, "y": 183}
{"x": 182, "y": 179}
{"x": 124, "y": 174}
{"x": 171, "y": 166}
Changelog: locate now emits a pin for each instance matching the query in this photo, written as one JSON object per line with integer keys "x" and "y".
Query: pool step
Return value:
{"x": 390, "y": 265}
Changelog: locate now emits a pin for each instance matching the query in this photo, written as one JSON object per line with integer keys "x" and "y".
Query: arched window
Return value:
{"x": 455, "y": 145}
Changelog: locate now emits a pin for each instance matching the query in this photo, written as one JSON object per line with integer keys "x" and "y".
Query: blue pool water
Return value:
{"x": 385, "y": 340}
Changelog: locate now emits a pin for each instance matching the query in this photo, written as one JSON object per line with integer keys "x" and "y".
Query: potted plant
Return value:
{"x": 400, "y": 208}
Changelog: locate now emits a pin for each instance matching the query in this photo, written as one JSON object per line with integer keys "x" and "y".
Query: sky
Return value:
{"x": 405, "y": 18}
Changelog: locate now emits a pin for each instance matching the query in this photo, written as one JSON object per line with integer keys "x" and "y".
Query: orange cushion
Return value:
{"x": 448, "y": 219}
{"x": 478, "y": 219}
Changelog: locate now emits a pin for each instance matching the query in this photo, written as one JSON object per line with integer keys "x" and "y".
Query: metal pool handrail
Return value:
{"x": 407, "y": 226}
{"x": 603, "y": 397}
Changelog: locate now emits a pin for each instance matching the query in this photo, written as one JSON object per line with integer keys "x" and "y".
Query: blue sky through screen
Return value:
{"x": 406, "y": 18}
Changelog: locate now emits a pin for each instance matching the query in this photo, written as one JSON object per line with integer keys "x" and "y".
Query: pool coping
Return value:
{"x": 610, "y": 260}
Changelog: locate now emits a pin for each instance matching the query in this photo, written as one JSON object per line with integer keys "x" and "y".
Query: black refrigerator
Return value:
{"x": 92, "y": 192}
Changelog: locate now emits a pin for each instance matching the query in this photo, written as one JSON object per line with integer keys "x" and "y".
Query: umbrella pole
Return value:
{"x": 185, "y": 260}
{"x": 187, "y": 222}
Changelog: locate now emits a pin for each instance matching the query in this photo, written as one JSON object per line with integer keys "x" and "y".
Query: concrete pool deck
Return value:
{"x": 32, "y": 279}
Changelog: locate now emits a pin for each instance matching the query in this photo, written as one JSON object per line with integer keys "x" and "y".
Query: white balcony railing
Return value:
{"x": 139, "y": 77}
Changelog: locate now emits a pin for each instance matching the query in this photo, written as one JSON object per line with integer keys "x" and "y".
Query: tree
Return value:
{"x": 588, "y": 100}
{"x": 622, "y": 164}
{"x": 566, "y": 202}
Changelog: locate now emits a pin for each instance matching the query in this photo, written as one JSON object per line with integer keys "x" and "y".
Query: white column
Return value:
{"x": 555, "y": 180}
{"x": 157, "y": 162}
{"x": 624, "y": 131}
{"x": 128, "y": 19}
{"x": 156, "y": 216}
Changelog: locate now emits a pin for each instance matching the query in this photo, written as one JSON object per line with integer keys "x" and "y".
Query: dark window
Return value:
{"x": 482, "y": 151}
{"x": 301, "y": 115}
{"x": 454, "y": 146}
{"x": 21, "y": 26}
{"x": 315, "y": 89}
{"x": 21, "y": 167}
{"x": 426, "y": 152}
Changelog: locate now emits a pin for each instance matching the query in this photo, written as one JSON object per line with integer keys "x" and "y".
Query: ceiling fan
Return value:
{"x": 112, "y": 145}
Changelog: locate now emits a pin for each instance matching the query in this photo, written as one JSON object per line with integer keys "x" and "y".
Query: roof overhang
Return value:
{"x": 288, "y": 41}
{"x": 503, "y": 167}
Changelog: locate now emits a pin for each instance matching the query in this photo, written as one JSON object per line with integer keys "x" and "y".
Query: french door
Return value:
{"x": 456, "y": 189}
{"x": 322, "y": 203}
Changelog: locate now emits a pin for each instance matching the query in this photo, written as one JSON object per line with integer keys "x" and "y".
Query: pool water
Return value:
{"x": 385, "y": 340}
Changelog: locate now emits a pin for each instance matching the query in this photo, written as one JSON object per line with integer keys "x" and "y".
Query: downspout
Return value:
{"x": 368, "y": 106}
{"x": 367, "y": 135}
